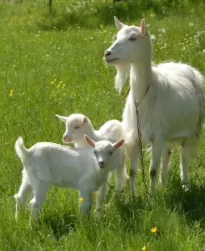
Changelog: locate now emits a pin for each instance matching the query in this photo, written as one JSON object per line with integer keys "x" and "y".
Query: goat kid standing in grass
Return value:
{"x": 47, "y": 164}
{"x": 170, "y": 102}
{"x": 77, "y": 125}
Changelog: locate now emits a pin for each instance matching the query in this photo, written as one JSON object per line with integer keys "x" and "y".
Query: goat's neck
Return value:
{"x": 91, "y": 133}
{"x": 102, "y": 176}
{"x": 140, "y": 78}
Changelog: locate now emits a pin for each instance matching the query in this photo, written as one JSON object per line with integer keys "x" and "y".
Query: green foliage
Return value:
{"x": 95, "y": 13}
{"x": 52, "y": 63}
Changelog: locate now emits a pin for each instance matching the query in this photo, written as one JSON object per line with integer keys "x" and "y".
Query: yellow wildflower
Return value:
{"x": 81, "y": 199}
{"x": 154, "y": 230}
{"x": 101, "y": 26}
{"x": 144, "y": 248}
{"x": 11, "y": 92}
{"x": 52, "y": 82}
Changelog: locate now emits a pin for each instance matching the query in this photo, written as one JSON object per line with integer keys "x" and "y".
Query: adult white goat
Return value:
{"x": 169, "y": 96}
{"x": 77, "y": 125}
{"x": 47, "y": 164}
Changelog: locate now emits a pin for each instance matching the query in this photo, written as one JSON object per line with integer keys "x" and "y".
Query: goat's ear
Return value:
{"x": 89, "y": 141}
{"x": 118, "y": 24}
{"x": 85, "y": 119}
{"x": 143, "y": 27}
{"x": 119, "y": 143}
{"x": 62, "y": 118}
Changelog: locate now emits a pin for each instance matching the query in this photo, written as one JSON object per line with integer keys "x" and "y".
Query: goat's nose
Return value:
{"x": 107, "y": 53}
{"x": 101, "y": 164}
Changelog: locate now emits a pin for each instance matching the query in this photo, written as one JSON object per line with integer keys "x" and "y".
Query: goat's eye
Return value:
{"x": 132, "y": 39}
{"x": 76, "y": 127}
{"x": 110, "y": 153}
{"x": 95, "y": 152}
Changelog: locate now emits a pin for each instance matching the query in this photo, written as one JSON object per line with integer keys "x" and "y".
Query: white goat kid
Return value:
{"x": 170, "y": 101}
{"x": 77, "y": 125}
{"x": 47, "y": 164}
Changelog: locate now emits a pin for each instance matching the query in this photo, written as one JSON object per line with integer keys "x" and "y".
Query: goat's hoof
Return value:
{"x": 186, "y": 188}
{"x": 134, "y": 196}
{"x": 98, "y": 213}
{"x": 118, "y": 195}
{"x": 163, "y": 182}
{"x": 151, "y": 194}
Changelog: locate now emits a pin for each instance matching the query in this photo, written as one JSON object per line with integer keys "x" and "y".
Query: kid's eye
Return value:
{"x": 110, "y": 153}
{"x": 76, "y": 127}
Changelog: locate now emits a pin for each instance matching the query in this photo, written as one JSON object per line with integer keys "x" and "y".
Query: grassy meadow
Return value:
{"x": 52, "y": 64}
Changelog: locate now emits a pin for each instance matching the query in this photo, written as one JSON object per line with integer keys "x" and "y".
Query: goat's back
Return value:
{"x": 112, "y": 130}
{"x": 173, "y": 108}
{"x": 179, "y": 100}
{"x": 60, "y": 165}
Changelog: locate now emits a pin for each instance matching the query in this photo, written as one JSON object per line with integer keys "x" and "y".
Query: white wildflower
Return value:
{"x": 153, "y": 37}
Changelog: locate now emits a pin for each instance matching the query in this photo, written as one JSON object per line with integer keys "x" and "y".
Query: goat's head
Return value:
{"x": 103, "y": 149}
{"x": 131, "y": 44}
{"x": 76, "y": 126}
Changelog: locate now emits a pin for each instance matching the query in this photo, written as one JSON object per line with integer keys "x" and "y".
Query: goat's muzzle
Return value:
{"x": 101, "y": 164}
{"x": 67, "y": 139}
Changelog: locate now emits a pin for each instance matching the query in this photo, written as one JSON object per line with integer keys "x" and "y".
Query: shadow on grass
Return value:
{"x": 91, "y": 15}
{"x": 191, "y": 203}
{"x": 131, "y": 211}
{"x": 60, "y": 226}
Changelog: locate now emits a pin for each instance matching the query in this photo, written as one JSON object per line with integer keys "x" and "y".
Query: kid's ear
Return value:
{"x": 118, "y": 24}
{"x": 85, "y": 119}
{"x": 143, "y": 27}
{"x": 62, "y": 118}
{"x": 89, "y": 141}
{"x": 119, "y": 143}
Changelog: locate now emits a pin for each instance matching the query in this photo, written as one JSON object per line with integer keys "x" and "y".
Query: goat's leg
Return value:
{"x": 121, "y": 178}
{"x": 101, "y": 194}
{"x": 165, "y": 164}
{"x": 86, "y": 201}
{"x": 157, "y": 148}
{"x": 188, "y": 148}
{"x": 40, "y": 190}
{"x": 22, "y": 196}
{"x": 134, "y": 159}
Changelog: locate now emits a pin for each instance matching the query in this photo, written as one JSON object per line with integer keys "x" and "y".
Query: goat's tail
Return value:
{"x": 21, "y": 151}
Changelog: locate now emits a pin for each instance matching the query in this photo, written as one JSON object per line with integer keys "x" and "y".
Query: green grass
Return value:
{"x": 53, "y": 63}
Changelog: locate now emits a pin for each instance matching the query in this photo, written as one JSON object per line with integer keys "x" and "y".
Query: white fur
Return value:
{"x": 47, "y": 164}
{"x": 172, "y": 110}
{"x": 77, "y": 125}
